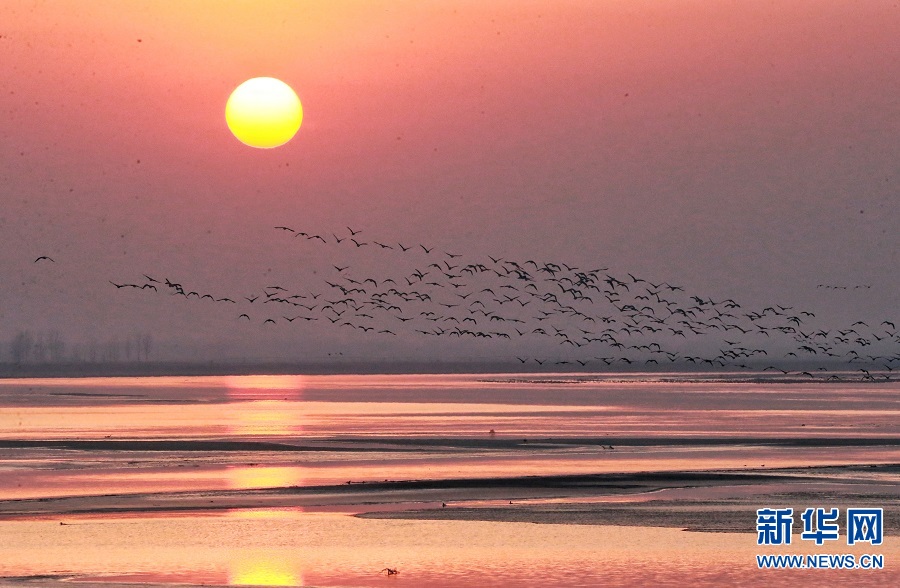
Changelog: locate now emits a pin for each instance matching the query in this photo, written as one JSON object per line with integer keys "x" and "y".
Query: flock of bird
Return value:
{"x": 592, "y": 319}
{"x": 839, "y": 287}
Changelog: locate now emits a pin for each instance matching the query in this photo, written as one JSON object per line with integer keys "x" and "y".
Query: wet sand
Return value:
{"x": 714, "y": 501}
{"x": 445, "y": 533}
{"x": 716, "y": 504}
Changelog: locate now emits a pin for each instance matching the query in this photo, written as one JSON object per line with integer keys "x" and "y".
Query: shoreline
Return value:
{"x": 710, "y": 501}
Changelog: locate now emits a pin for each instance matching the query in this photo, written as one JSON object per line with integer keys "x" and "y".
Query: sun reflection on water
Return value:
{"x": 264, "y": 418}
{"x": 265, "y": 405}
{"x": 248, "y": 478}
{"x": 260, "y": 387}
{"x": 263, "y": 569}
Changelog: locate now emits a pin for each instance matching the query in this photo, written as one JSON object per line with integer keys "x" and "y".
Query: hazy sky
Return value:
{"x": 747, "y": 149}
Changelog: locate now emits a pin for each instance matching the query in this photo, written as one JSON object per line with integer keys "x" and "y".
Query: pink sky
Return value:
{"x": 741, "y": 148}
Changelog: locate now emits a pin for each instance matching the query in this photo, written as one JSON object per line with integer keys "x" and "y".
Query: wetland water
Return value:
{"x": 327, "y": 480}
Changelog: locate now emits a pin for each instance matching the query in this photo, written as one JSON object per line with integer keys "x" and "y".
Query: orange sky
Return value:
{"x": 740, "y": 147}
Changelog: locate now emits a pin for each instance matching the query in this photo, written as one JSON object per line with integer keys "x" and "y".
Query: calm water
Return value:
{"x": 238, "y": 434}
{"x": 288, "y": 549}
{"x": 422, "y": 405}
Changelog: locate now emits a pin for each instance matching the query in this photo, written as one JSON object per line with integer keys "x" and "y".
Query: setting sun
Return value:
{"x": 264, "y": 113}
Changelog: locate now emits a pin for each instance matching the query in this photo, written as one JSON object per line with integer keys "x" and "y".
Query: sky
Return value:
{"x": 741, "y": 150}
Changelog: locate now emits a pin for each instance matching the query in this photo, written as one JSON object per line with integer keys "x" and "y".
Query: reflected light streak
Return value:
{"x": 265, "y": 513}
{"x": 264, "y": 405}
{"x": 263, "y": 417}
{"x": 263, "y": 569}
{"x": 259, "y": 387}
{"x": 248, "y": 478}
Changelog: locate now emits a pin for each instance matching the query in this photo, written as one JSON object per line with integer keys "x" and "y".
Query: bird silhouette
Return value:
{"x": 580, "y": 310}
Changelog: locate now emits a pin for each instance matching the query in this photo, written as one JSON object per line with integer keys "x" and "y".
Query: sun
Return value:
{"x": 263, "y": 113}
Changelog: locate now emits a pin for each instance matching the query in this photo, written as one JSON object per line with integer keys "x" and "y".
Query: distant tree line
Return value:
{"x": 50, "y": 347}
